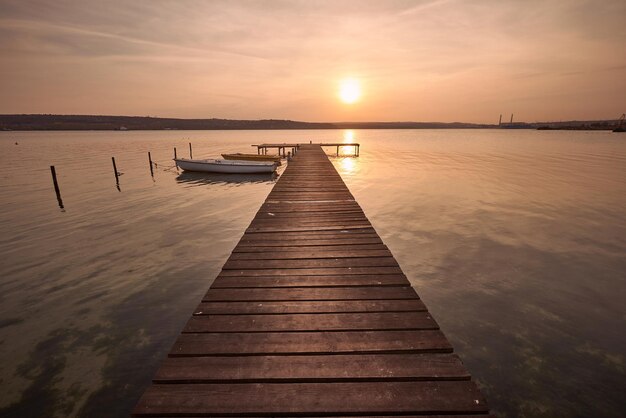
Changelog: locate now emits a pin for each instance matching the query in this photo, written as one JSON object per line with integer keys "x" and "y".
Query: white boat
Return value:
{"x": 226, "y": 166}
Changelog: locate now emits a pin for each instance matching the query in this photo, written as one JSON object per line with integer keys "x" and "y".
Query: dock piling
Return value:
{"x": 190, "y": 152}
{"x": 175, "y": 157}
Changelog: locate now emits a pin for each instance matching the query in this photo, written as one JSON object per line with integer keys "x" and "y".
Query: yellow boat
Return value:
{"x": 252, "y": 157}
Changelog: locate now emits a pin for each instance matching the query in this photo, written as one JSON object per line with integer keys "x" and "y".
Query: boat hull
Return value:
{"x": 252, "y": 157}
{"x": 223, "y": 166}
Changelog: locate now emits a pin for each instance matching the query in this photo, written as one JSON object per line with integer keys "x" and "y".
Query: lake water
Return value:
{"x": 516, "y": 241}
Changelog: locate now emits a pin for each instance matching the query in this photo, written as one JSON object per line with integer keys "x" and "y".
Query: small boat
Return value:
{"x": 226, "y": 166}
{"x": 251, "y": 157}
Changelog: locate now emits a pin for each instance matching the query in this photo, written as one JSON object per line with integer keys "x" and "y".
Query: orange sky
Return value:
{"x": 439, "y": 60}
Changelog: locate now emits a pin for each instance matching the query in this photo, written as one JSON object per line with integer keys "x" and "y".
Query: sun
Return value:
{"x": 349, "y": 90}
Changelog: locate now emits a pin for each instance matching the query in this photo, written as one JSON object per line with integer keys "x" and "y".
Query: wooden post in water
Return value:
{"x": 150, "y": 161}
{"x": 117, "y": 176}
{"x": 56, "y": 186}
{"x": 190, "y": 152}
{"x": 337, "y": 150}
{"x": 175, "y": 153}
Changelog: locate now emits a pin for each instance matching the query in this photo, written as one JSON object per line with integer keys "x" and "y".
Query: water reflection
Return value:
{"x": 514, "y": 240}
{"x": 194, "y": 178}
{"x": 348, "y": 164}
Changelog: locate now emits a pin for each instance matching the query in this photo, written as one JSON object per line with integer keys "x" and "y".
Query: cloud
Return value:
{"x": 283, "y": 52}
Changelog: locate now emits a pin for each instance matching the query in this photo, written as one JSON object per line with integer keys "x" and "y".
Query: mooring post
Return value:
{"x": 150, "y": 161}
{"x": 190, "y": 152}
{"x": 117, "y": 176}
{"x": 337, "y": 150}
{"x": 56, "y": 186}
{"x": 175, "y": 153}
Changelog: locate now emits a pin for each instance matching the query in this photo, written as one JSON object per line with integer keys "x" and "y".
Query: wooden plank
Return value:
{"x": 333, "y": 271}
{"x": 314, "y": 293}
{"x": 271, "y": 399}
{"x": 328, "y": 248}
{"x": 314, "y": 368}
{"x": 287, "y": 228}
{"x": 320, "y": 306}
{"x": 373, "y": 321}
{"x": 301, "y": 343}
{"x": 328, "y": 234}
{"x": 309, "y": 242}
{"x": 310, "y": 263}
{"x": 291, "y": 222}
{"x": 308, "y": 254}
{"x": 222, "y": 282}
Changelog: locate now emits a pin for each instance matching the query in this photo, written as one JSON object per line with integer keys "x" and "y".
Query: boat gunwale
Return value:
{"x": 227, "y": 162}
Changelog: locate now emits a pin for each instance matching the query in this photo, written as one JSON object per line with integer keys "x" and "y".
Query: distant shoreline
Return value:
{"x": 44, "y": 122}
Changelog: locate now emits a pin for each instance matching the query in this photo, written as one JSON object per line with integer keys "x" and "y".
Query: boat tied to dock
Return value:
{"x": 226, "y": 166}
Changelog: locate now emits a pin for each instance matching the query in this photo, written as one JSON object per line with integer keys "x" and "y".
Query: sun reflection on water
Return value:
{"x": 348, "y": 165}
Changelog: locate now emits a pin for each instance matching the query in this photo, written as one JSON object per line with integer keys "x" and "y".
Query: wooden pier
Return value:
{"x": 281, "y": 149}
{"x": 311, "y": 316}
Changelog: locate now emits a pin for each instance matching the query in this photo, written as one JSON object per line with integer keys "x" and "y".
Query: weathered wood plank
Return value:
{"x": 320, "y": 306}
{"x": 337, "y": 342}
{"x": 333, "y": 271}
{"x": 278, "y": 228}
{"x": 271, "y": 399}
{"x": 246, "y": 369}
{"x": 308, "y": 254}
{"x": 222, "y": 282}
{"x": 328, "y": 248}
{"x": 313, "y": 293}
{"x": 373, "y": 321}
{"x": 309, "y": 242}
{"x": 310, "y": 263}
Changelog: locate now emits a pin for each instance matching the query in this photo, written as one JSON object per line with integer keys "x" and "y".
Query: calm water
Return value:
{"x": 516, "y": 240}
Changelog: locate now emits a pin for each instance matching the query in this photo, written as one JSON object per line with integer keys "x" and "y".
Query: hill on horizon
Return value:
{"x": 95, "y": 122}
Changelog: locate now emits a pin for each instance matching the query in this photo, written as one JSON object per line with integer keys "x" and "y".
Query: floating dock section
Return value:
{"x": 311, "y": 316}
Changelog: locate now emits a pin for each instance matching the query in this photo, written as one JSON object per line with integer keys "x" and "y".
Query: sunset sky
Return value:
{"x": 440, "y": 60}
